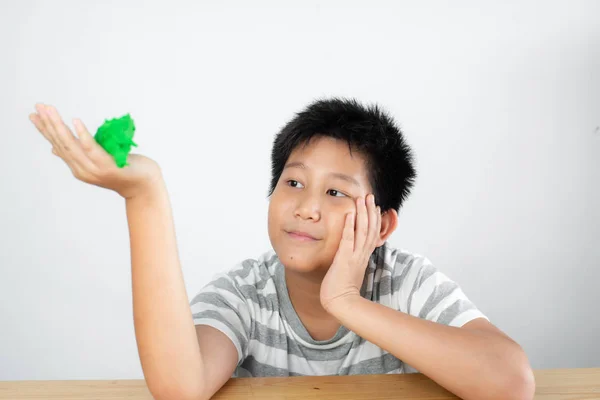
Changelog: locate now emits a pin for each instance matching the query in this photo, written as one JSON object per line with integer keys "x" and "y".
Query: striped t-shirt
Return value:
{"x": 250, "y": 304}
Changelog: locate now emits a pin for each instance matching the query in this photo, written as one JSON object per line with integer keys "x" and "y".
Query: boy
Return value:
{"x": 331, "y": 298}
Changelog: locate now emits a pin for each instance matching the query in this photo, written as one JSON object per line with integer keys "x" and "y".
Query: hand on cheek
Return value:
{"x": 359, "y": 238}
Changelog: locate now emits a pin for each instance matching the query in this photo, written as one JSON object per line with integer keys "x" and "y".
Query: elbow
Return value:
{"x": 523, "y": 385}
{"x": 519, "y": 384}
{"x": 512, "y": 379}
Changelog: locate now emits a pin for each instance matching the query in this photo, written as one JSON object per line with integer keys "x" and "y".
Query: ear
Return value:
{"x": 389, "y": 223}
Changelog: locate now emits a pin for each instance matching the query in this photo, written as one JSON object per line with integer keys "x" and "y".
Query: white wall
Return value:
{"x": 501, "y": 103}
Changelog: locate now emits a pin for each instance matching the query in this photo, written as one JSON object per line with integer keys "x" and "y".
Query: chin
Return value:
{"x": 298, "y": 261}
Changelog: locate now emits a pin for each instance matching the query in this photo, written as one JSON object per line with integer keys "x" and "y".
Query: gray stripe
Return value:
{"x": 389, "y": 284}
{"x": 217, "y": 300}
{"x": 243, "y": 273}
{"x": 457, "y": 308}
{"x": 440, "y": 292}
{"x": 425, "y": 272}
{"x": 256, "y": 368}
{"x": 274, "y": 338}
{"x": 398, "y": 256}
{"x": 267, "y": 302}
{"x": 262, "y": 283}
{"x": 376, "y": 365}
{"x": 241, "y": 373}
{"x": 210, "y": 314}
{"x": 220, "y": 283}
{"x": 249, "y": 264}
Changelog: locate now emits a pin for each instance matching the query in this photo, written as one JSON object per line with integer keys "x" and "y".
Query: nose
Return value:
{"x": 308, "y": 207}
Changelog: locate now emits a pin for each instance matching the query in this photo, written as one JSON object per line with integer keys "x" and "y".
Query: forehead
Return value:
{"x": 327, "y": 155}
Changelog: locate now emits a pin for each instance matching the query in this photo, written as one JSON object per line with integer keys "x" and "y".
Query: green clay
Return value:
{"x": 116, "y": 137}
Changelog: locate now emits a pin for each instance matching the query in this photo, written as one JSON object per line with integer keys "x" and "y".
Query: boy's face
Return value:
{"x": 317, "y": 188}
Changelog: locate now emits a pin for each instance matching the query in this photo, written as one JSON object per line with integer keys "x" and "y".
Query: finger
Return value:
{"x": 362, "y": 224}
{"x": 69, "y": 147}
{"x": 36, "y": 119}
{"x": 39, "y": 124}
{"x": 377, "y": 228}
{"x": 75, "y": 168}
{"x": 93, "y": 150}
{"x": 373, "y": 228}
{"x": 44, "y": 117}
{"x": 83, "y": 134}
{"x": 63, "y": 135}
{"x": 44, "y": 125}
{"x": 347, "y": 242}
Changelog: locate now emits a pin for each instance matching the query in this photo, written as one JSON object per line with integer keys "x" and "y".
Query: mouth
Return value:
{"x": 301, "y": 236}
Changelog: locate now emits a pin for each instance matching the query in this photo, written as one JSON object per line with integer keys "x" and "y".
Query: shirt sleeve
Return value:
{"x": 435, "y": 297}
{"x": 220, "y": 304}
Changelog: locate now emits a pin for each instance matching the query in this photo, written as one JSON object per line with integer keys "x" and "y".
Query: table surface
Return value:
{"x": 553, "y": 384}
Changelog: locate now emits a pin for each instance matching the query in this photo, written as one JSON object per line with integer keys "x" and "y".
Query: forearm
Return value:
{"x": 165, "y": 333}
{"x": 471, "y": 364}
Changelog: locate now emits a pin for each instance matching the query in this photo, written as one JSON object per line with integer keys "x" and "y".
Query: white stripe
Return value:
{"x": 233, "y": 298}
{"x": 365, "y": 351}
{"x": 390, "y": 258}
{"x": 428, "y": 287}
{"x": 406, "y": 287}
{"x": 467, "y": 316}
{"x": 226, "y": 313}
{"x": 280, "y": 358}
{"x": 291, "y": 333}
{"x": 254, "y": 275}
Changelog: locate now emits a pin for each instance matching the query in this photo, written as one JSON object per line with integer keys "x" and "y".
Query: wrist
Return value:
{"x": 343, "y": 304}
{"x": 148, "y": 194}
{"x": 151, "y": 187}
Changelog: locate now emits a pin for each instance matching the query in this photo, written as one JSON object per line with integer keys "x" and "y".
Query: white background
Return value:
{"x": 500, "y": 102}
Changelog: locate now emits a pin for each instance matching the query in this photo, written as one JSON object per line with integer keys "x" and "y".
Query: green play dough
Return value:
{"x": 116, "y": 137}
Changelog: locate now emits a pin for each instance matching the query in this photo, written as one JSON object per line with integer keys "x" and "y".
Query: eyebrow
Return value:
{"x": 337, "y": 175}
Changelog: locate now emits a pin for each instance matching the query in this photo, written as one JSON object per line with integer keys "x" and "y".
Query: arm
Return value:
{"x": 476, "y": 361}
{"x": 174, "y": 354}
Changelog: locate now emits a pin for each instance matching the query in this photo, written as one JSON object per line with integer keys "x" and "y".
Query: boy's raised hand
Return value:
{"x": 88, "y": 161}
{"x": 345, "y": 276}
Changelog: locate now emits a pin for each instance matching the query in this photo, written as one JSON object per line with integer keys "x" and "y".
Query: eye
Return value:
{"x": 336, "y": 193}
{"x": 294, "y": 184}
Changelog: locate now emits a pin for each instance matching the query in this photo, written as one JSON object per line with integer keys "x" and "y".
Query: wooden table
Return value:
{"x": 557, "y": 384}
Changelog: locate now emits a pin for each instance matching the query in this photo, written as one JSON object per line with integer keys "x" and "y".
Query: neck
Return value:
{"x": 304, "y": 291}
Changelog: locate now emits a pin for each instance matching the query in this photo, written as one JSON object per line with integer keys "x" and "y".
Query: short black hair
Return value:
{"x": 366, "y": 129}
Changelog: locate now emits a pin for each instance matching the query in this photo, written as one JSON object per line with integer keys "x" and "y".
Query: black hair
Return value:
{"x": 366, "y": 129}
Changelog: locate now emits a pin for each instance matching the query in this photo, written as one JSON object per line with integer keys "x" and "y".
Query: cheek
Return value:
{"x": 335, "y": 224}
{"x": 336, "y": 218}
{"x": 278, "y": 205}
{"x": 280, "y": 209}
